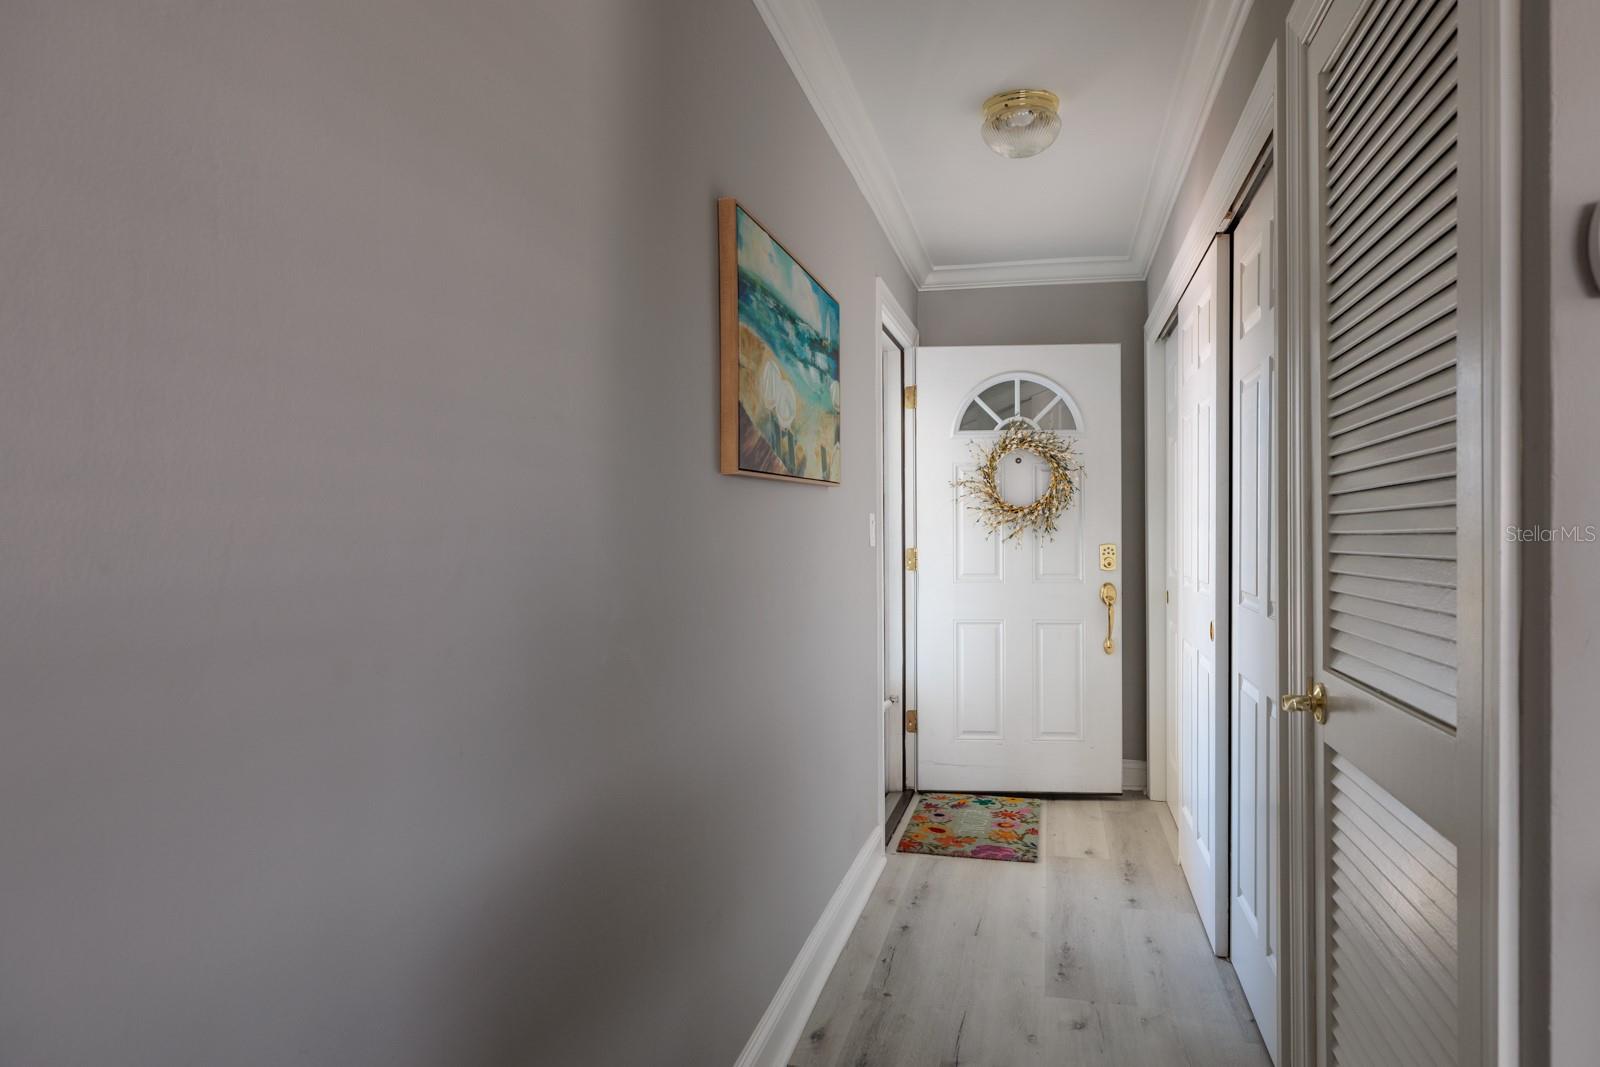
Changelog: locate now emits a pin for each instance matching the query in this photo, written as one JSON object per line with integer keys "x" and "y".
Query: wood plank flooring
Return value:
{"x": 1093, "y": 955}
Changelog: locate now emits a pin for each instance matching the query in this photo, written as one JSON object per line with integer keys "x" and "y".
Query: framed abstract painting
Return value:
{"x": 780, "y": 358}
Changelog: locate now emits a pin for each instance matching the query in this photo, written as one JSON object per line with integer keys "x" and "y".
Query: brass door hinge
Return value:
{"x": 911, "y": 559}
{"x": 911, "y": 397}
{"x": 911, "y": 720}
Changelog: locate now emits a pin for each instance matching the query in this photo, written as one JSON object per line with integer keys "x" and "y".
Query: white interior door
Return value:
{"x": 1255, "y": 604}
{"x": 1395, "y": 622}
{"x": 1203, "y": 616}
{"x": 1019, "y": 660}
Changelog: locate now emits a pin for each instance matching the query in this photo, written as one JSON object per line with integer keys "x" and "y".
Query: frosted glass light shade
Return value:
{"x": 1021, "y": 122}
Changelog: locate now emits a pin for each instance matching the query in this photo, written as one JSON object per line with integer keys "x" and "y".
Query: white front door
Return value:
{"x": 1257, "y": 610}
{"x": 1203, "y": 618}
{"x": 1018, "y": 658}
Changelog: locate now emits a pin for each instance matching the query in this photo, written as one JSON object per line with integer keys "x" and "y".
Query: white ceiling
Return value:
{"x": 900, "y": 86}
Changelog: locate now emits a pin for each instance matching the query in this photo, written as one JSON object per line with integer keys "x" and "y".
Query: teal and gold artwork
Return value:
{"x": 783, "y": 381}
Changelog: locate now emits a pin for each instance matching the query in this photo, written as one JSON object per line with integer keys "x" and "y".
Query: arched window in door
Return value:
{"x": 1028, "y": 398}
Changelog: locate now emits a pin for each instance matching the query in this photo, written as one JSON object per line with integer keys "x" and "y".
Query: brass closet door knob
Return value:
{"x": 1316, "y": 702}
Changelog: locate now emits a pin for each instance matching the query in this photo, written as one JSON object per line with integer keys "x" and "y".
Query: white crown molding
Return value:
{"x": 802, "y": 35}
{"x": 1250, "y": 136}
{"x": 1216, "y": 36}
{"x": 1033, "y": 272}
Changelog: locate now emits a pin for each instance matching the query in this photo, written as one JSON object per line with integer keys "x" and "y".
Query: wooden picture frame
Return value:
{"x": 780, "y": 409}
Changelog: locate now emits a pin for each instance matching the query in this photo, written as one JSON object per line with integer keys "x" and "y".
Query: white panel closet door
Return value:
{"x": 1396, "y": 625}
{"x": 1203, "y": 617}
{"x": 1253, "y": 926}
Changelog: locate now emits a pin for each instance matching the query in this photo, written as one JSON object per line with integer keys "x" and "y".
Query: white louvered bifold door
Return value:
{"x": 1395, "y": 351}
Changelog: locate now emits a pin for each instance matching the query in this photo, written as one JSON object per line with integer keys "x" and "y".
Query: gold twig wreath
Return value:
{"x": 999, "y": 515}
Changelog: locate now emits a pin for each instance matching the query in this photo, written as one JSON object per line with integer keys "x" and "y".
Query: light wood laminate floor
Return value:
{"x": 1093, "y": 955}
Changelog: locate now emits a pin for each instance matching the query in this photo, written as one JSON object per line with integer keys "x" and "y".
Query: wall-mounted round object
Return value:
{"x": 1594, "y": 246}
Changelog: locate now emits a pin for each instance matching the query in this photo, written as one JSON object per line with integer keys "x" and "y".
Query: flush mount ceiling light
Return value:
{"x": 1020, "y": 123}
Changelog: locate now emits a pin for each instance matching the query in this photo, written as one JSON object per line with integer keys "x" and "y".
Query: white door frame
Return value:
{"x": 892, "y": 319}
{"x": 1499, "y": 167}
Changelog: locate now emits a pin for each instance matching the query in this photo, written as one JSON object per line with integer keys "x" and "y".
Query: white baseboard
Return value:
{"x": 779, "y": 1029}
{"x": 1135, "y": 778}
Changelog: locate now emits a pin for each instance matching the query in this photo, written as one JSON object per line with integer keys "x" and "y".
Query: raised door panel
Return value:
{"x": 1205, "y": 755}
{"x": 1188, "y": 725}
{"x": 980, "y": 678}
{"x": 1250, "y": 720}
{"x": 1204, "y": 516}
{"x": 1253, "y": 420}
{"x": 978, "y": 556}
{"x": 1060, "y": 558}
{"x": 1060, "y": 648}
{"x": 1188, "y": 498}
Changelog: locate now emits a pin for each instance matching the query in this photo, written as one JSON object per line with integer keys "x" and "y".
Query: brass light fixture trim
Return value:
{"x": 1021, "y": 99}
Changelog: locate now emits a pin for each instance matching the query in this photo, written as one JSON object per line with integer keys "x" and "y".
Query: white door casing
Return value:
{"x": 1202, "y": 594}
{"x": 1016, "y": 691}
{"x": 894, "y": 531}
{"x": 1172, "y": 600}
{"x": 1255, "y": 604}
{"x": 892, "y": 358}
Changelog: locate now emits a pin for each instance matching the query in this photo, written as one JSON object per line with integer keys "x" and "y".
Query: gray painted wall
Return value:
{"x": 389, "y": 678}
{"x": 1561, "y": 728}
{"x": 1063, "y": 315}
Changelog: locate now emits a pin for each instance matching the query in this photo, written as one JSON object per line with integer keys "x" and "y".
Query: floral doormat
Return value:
{"x": 978, "y": 827}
